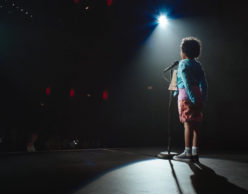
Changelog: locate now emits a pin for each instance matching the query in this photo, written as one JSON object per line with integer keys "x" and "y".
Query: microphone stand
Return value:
{"x": 168, "y": 154}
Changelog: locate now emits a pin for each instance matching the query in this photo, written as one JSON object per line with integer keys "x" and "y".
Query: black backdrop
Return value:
{"x": 64, "y": 46}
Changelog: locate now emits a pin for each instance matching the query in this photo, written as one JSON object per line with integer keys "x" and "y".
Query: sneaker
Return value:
{"x": 195, "y": 158}
{"x": 184, "y": 157}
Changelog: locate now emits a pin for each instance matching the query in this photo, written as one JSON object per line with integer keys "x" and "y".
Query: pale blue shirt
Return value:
{"x": 190, "y": 73}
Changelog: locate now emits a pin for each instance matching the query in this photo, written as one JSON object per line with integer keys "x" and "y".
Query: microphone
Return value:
{"x": 171, "y": 66}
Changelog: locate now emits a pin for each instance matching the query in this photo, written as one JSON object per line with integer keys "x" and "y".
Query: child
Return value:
{"x": 192, "y": 89}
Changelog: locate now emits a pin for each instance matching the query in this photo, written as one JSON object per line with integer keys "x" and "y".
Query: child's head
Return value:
{"x": 190, "y": 47}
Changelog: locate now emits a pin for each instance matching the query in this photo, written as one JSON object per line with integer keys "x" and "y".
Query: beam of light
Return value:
{"x": 162, "y": 20}
{"x": 130, "y": 178}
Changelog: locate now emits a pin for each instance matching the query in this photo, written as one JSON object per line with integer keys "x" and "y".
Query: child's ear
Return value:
{"x": 183, "y": 56}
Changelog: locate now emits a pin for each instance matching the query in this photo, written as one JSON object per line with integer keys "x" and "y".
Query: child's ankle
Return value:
{"x": 195, "y": 150}
{"x": 188, "y": 151}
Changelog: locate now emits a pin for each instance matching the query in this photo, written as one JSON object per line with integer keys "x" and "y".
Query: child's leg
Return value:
{"x": 187, "y": 154}
{"x": 195, "y": 148}
{"x": 196, "y": 131}
{"x": 196, "y": 137}
{"x": 188, "y": 134}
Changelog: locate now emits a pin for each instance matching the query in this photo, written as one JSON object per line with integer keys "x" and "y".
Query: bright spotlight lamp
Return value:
{"x": 162, "y": 20}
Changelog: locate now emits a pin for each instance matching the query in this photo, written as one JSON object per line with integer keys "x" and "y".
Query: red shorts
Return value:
{"x": 189, "y": 112}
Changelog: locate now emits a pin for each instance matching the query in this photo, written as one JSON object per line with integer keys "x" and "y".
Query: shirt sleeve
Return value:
{"x": 185, "y": 75}
{"x": 203, "y": 86}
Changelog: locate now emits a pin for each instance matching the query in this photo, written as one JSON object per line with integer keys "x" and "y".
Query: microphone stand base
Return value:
{"x": 166, "y": 155}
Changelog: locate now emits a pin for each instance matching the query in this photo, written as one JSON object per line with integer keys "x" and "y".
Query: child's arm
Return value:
{"x": 203, "y": 86}
{"x": 185, "y": 75}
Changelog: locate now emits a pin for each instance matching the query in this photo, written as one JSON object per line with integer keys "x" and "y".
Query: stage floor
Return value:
{"x": 122, "y": 171}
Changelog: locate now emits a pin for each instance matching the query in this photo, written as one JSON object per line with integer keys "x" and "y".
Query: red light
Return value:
{"x": 109, "y": 2}
{"x": 48, "y": 91}
{"x": 72, "y": 92}
{"x": 76, "y": 1}
{"x": 105, "y": 95}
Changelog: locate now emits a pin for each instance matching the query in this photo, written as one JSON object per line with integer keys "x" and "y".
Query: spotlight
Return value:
{"x": 162, "y": 20}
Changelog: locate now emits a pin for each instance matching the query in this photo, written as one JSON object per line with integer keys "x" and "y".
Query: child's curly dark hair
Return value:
{"x": 191, "y": 47}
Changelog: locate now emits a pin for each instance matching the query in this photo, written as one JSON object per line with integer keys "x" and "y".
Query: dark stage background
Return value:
{"x": 98, "y": 46}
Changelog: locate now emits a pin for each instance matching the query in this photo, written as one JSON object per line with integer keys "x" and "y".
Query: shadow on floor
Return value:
{"x": 206, "y": 181}
{"x": 175, "y": 177}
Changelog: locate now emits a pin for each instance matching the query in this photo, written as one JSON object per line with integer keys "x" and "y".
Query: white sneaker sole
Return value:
{"x": 182, "y": 159}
